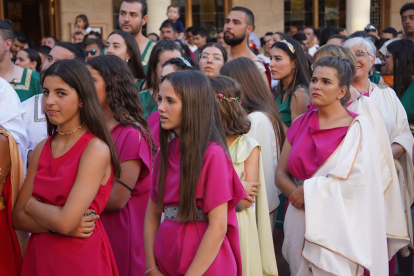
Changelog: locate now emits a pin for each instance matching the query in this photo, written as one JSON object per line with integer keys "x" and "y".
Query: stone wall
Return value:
{"x": 99, "y": 13}
{"x": 268, "y": 14}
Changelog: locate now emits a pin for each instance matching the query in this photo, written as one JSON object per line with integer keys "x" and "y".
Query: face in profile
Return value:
{"x": 169, "y": 108}
{"x": 115, "y": 45}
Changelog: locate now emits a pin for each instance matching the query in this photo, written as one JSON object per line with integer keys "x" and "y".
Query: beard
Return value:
{"x": 134, "y": 30}
{"x": 233, "y": 41}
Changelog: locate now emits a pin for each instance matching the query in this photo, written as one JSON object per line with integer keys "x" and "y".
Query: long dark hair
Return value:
{"x": 403, "y": 52}
{"x": 34, "y": 56}
{"x": 134, "y": 62}
{"x": 152, "y": 80}
{"x": 256, "y": 96}
{"x": 301, "y": 74}
{"x": 122, "y": 94}
{"x": 84, "y": 19}
{"x": 77, "y": 76}
{"x": 199, "y": 126}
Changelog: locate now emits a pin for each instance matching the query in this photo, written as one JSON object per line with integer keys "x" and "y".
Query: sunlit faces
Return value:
{"x": 80, "y": 23}
{"x": 167, "y": 33}
{"x": 170, "y": 108}
{"x": 173, "y": 14}
{"x": 57, "y": 53}
{"x": 100, "y": 86}
{"x": 50, "y": 42}
{"x": 61, "y": 103}
{"x": 324, "y": 87}
{"x": 389, "y": 63}
{"x": 23, "y": 60}
{"x": 115, "y": 45}
{"x": 211, "y": 60}
{"x": 280, "y": 64}
{"x": 130, "y": 17}
{"x": 164, "y": 56}
{"x": 235, "y": 28}
{"x": 364, "y": 62}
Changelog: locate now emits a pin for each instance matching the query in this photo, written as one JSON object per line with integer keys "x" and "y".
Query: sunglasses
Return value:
{"x": 93, "y": 52}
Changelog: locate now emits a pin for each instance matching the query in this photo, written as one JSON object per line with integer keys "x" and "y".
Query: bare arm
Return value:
{"x": 120, "y": 195}
{"x": 251, "y": 168}
{"x": 397, "y": 150}
{"x": 151, "y": 225}
{"x": 212, "y": 240}
{"x": 284, "y": 182}
{"x": 94, "y": 170}
{"x": 299, "y": 103}
{"x": 22, "y": 220}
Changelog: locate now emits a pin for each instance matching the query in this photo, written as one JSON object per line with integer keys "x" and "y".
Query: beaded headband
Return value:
{"x": 230, "y": 100}
{"x": 185, "y": 61}
{"x": 291, "y": 48}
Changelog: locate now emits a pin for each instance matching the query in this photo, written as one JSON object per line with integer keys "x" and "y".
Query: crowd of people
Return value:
{"x": 181, "y": 154}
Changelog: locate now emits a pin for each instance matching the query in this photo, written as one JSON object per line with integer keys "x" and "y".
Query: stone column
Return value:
{"x": 357, "y": 15}
{"x": 157, "y": 13}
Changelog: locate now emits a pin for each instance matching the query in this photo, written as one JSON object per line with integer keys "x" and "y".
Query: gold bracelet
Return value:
{"x": 2, "y": 206}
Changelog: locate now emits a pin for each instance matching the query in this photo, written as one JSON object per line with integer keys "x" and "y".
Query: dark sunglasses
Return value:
{"x": 93, "y": 52}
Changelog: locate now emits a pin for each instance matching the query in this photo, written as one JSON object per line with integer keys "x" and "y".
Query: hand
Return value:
{"x": 297, "y": 198}
{"x": 155, "y": 272}
{"x": 250, "y": 188}
{"x": 85, "y": 227}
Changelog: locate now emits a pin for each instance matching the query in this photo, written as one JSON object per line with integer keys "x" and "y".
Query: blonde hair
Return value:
{"x": 337, "y": 51}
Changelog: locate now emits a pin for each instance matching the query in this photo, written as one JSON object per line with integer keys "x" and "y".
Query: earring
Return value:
{"x": 127, "y": 60}
{"x": 293, "y": 70}
{"x": 339, "y": 98}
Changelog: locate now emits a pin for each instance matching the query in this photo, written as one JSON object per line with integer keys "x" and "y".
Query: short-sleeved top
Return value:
{"x": 29, "y": 85}
{"x": 311, "y": 146}
{"x": 176, "y": 242}
{"x": 178, "y": 25}
{"x": 284, "y": 108}
{"x": 149, "y": 104}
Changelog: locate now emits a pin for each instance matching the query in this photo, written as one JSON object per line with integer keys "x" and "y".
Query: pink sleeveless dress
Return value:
{"x": 55, "y": 254}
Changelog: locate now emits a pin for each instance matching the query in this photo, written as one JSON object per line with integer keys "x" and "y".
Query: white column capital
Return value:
{"x": 357, "y": 15}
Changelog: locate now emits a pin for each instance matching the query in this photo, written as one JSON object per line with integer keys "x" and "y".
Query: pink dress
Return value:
{"x": 125, "y": 227}
{"x": 176, "y": 243}
{"x": 55, "y": 254}
{"x": 154, "y": 124}
{"x": 311, "y": 146}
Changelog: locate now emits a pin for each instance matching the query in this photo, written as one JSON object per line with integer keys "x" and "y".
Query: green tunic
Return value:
{"x": 376, "y": 77}
{"x": 139, "y": 83}
{"x": 148, "y": 102}
{"x": 407, "y": 100}
{"x": 284, "y": 108}
{"x": 146, "y": 55}
{"x": 29, "y": 85}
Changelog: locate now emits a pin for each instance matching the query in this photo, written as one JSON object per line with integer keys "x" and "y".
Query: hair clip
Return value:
{"x": 185, "y": 62}
{"x": 230, "y": 100}
{"x": 291, "y": 48}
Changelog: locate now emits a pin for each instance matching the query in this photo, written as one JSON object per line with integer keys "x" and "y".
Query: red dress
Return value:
{"x": 55, "y": 254}
{"x": 10, "y": 254}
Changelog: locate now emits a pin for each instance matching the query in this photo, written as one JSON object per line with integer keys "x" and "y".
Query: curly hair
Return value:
{"x": 232, "y": 114}
{"x": 122, "y": 94}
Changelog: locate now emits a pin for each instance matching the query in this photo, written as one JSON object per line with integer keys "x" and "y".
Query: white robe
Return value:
{"x": 35, "y": 120}
{"x": 262, "y": 131}
{"x": 11, "y": 111}
{"x": 346, "y": 226}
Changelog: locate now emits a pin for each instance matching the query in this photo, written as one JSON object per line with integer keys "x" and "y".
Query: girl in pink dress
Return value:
{"x": 124, "y": 214}
{"x": 194, "y": 183}
{"x": 70, "y": 174}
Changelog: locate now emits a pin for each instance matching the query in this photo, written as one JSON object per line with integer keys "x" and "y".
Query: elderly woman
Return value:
{"x": 393, "y": 115}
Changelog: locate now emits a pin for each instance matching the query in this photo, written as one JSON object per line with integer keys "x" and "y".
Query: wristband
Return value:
{"x": 151, "y": 269}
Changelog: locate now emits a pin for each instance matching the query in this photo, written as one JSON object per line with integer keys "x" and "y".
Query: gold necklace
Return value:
{"x": 70, "y": 132}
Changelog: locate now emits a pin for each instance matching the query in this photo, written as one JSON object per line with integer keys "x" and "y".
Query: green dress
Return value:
{"x": 148, "y": 102}
{"x": 284, "y": 108}
{"x": 146, "y": 55}
{"x": 407, "y": 100}
{"x": 376, "y": 77}
{"x": 139, "y": 83}
{"x": 29, "y": 85}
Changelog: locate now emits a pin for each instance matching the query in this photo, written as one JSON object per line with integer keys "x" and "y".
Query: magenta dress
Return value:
{"x": 311, "y": 146}
{"x": 125, "y": 228}
{"x": 54, "y": 254}
{"x": 176, "y": 243}
{"x": 154, "y": 124}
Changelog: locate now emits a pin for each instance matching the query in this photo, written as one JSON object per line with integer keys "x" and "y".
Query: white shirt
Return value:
{"x": 312, "y": 50}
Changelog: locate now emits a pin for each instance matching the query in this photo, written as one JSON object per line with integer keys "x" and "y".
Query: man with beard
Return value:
{"x": 237, "y": 27}
{"x": 132, "y": 16}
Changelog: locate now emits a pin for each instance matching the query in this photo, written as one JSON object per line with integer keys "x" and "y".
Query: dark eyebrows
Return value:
{"x": 60, "y": 89}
